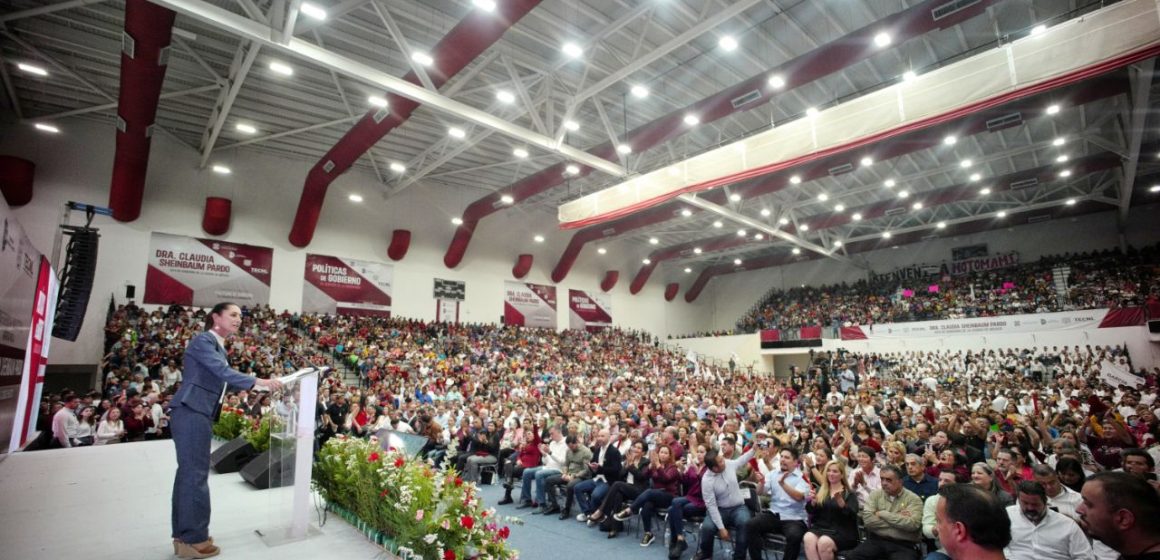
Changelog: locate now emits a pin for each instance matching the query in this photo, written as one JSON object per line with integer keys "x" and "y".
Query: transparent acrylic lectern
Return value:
{"x": 291, "y": 458}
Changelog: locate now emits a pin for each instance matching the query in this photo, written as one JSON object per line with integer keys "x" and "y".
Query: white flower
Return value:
{"x": 430, "y": 538}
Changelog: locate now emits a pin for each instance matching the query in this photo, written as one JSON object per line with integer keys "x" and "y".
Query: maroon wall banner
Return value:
{"x": 589, "y": 311}
{"x": 529, "y": 305}
{"x": 347, "y": 286}
{"x": 204, "y": 272}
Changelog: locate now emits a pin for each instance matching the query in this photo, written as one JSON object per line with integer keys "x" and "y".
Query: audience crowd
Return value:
{"x": 1104, "y": 279}
{"x": 609, "y": 427}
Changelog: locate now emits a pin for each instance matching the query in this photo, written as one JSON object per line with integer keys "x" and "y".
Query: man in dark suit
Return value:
{"x": 205, "y": 379}
{"x": 605, "y": 467}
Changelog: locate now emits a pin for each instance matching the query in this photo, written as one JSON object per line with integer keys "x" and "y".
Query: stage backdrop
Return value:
{"x": 347, "y": 286}
{"x": 27, "y": 303}
{"x": 589, "y": 310}
{"x": 529, "y": 305}
{"x": 204, "y": 272}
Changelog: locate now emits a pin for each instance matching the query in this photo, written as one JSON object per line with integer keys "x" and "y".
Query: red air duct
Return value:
{"x": 144, "y": 55}
{"x": 216, "y": 218}
{"x": 610, "y": 279}
{"x": 400, "y": 242}
{"x": 1086, "y": 92}
{"x": 823, "y": 61}
{"x": 671, "y": 291}
{"x": 463, "y": 44}
{"x": 16, "y": 176}
{"x": 523, "y": 265}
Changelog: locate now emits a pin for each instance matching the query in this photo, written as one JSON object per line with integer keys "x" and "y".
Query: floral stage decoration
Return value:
{"x": 406, "y": 506}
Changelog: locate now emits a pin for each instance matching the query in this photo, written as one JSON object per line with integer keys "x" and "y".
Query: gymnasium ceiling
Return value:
{"x": 674, "y": 48}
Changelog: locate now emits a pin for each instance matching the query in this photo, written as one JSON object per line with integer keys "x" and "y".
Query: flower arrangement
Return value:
{"x": 425, "y": 513}
{"x": 258, "y": 432}
{"x": 230, "y": 424}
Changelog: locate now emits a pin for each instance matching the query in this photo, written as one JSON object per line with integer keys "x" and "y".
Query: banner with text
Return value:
{"x": 347, "y": 286}
{"x": 1006, "y": 324}
{"x": 1116, "y": 375}
{"x": 205, "y": 272}
{"x": 529, "y": 305}
{"x": 588, "y": 310}
{"x": 983, "y": 264}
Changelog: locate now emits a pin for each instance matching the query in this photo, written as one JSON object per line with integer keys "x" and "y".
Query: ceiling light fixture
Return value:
{"x": 355, "y": 197}
{"x": 485, "y": 5}
{"x": 313, "y": 11}
{"x": 839, "y": 207}
{"x": 718, "y": 224}
{"x": 882, "y": 39}
{"x": 867, "y": 161}
{"x": 916, "y": 206}
{"x": 601, "y": 250}
{"x": 804, "y": 227}
{"x": 823, "y": 197}
{"x": 941, "y": 225}
{"x": 221, "y": 170}
{"x": 571, "y": 126}
{"x": 776, "y": 81}
{"x": 797, "y": 251}
{"x": 1070, "y": 202}
{"x": 737, "y": 262}
{"x": 32, "y": 69}
{"x": 397, "y": 167}
{"x": 1052, "y": 109}
{"x": 759, "y": 236}
{"x": 653, "y": 241}
{"x": 796, "y": 179}
{"x": 647, "y": 261}
{"x": 812, "y": 112}
{"x": 1058, "y": 141}
{"x": 281, "y": 68}
{"x": 688, "y": 270}
{"x": 572, "y": 169}
{"x": 783, "y": 221}
{"x": 741, "y": 233}
{"x": 985, "y": 191}
{"x": 886, "y": 235}
{"x": 422, "y": 59}
{"x": 1154, "y": 188}
{"x": 572, "y": 50}
{"x": 1002, "y": 214}
{"x": 456, "y": 132}
{"x": 520, "y": 153}
{"x": 507, "y": 199}
{"x": 47, "y": 128}
{"x": 765, "y": 212}
{"x": 1065, "y": 173}
{"x": 1038, "y": 29}
{"x": 639, "y": 91}
{"x": 903, "y": 194}
{"x": 624, "y": 149}
{"x": 837, "y": 243}
{"x": 505, "y": 96}
{"x": 1062, "y": 158}
{"x": 975, "y": 176}
{"x": 696, "y": 250}
{"x": 735, "y": 197}
{"x": 857, "y": 217}
{"x": 246, "y": 128}
{"x": 377, "y": 101}
{"x": 538, "y": 239}
{"x": 889, "y": 183}
{"x": 727, "y": 43}
{"x": 909, "y": 75}
{"x": 457, "y": 221}
{"x": 966, "y": 163}
{"x": 692, "y": 120}
{"x": 950, "y": 140}
{"x": 686, "y": 212}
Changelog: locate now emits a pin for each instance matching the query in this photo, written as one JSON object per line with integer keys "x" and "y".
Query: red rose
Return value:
{"x": 505, "y": 532}
{"x": 458, "y": 482}
{"x": 374, "y": 456}
{"x": 448, "y": 555}
{"x": 467, "y": 521}
{"x": 384, "y": 493}
{"x": 399, "y": 462}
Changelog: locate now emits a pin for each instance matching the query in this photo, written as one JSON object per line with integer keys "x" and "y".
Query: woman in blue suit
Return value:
{"x": 206, "y": 376}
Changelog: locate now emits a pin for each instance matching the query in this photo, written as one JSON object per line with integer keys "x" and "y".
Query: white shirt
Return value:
{"x": 1055, "y": 537}
{"x": 1066, "y": 502}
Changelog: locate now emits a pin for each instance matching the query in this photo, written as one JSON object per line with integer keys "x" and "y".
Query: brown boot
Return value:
{"x": 178, "y": 541}
{"x": 200, "y": 550}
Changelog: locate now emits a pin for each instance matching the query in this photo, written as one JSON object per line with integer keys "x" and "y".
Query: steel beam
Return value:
{"x": 404, "y": 46}
{"x": 1140, "y": 76}
{"x": 108, "y": 106}
{"x": 10, "y": 89}
{"x": 222, "y": 111}
{"x": 33, "y": 12}
{"x": 254, "y": 31}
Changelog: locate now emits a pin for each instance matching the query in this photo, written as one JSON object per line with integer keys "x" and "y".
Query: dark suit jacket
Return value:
{"x": 612, "y": 466}
{"x": 206, "y": 374}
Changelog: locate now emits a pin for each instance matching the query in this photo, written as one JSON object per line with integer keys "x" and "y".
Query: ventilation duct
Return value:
{"x": 671, "y": 291}
{"x": 610, "y": 279}
{"x": 400, "y": 243}
{"x": 522, "y": 266}
{"x": 1024, "y": 183}
{"x": 1006, "y": 121}
{"x": 16, "y": 175}
{"x": 215, "y": 219}
{"x": 148, "y": 31}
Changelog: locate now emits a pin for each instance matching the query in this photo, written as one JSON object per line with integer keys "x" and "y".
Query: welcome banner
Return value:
{"x": 589, "y": 311}
{"x": 1007, "y": 324}
{"x": 347, "y": 286}
{"x": 204, "y": 272}
{"x": 529, "y": 305}
{"x": 983, "y": 264}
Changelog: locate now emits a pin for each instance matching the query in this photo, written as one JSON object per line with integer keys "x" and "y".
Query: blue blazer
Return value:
{"x": 206, "y": 375}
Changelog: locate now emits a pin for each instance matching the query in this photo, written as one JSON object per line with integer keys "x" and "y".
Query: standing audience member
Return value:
{"x": 787, "y": 490}
{"x": 64, "y": 422}
{"x": 111, "y": 429}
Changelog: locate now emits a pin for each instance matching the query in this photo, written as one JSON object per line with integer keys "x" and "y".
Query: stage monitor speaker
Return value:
{"x": 76, "y": 281}
{"x": 409, "y": 444}
{"x": 261, "y": 473}
{"x": 232, "y": 456}
{"x": 1154, "y": 330}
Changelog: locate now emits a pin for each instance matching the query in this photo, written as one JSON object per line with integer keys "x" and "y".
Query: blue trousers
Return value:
{"x": 589, "y": 494}
{"x": 538, "y": 474}
{"x": 648, "y": 503}
{"x": 191, "y": 438}
{"x": 678, "y": 511}
{"x": 735, "y": 519}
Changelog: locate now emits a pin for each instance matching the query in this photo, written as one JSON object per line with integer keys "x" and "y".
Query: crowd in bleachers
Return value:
{"x": 609, "y": 427}
{"x": 1104, "y": 279}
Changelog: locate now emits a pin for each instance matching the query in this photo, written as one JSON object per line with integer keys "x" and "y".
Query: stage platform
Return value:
{"x": 112, "y": 502}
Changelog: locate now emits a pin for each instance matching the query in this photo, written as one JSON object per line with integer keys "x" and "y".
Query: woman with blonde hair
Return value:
{"x": 833, "y": 506}
{"x": 896, "y": 454}
{"x": 983, "y": 476}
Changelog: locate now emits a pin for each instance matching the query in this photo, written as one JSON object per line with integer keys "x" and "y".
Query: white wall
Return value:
{"x": 747, "y": 347}
{"x": 76, "y": 165}
{"x": 733, "y": 295}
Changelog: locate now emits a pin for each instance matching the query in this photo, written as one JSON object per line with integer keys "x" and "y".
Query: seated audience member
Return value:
{"x": 1038, "y": 533}
{"x": 983, "y": 476}
{"x": 632, "y": 482}
{"x": 1071, "y": 473}
{"x": 917, "y": 480}
{"x": 603, "y": 472}
{"x": 554, "y": 453}
{"x": 725, "y": 505}
{"x": 892, "y": 516}
{"x": 1138, "y": 462}
{"x": 664, "y": 479}
{"x": 865, "y": 478}
{"x": 692, "y": 504}
{"x": 787, "y": 489}
{"x": 527, "y": 456}
{"x": 111, "y": 429}
{"x": 930, "y": 519}
{"x": 576, "y": 461}
{"x": 1123, "y": 512}
{"x": 483, "y": 452}
{"x": 972, "y": 524}
{"x": 1059, "y": 497}
{"x": 833, "y": 508}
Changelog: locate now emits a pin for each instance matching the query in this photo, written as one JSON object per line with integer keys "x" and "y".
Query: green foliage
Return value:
{"x": 258, "y": 433}
{"x": 230, "y": 424}
{"x": 428, "y": 514}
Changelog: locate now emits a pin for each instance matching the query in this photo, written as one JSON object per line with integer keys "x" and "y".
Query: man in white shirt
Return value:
{"x": 553, "y": 456}
{"x": 1038, "y": 533}
{"x": 64, "y": 422}
{"x": 1059, "y": 497}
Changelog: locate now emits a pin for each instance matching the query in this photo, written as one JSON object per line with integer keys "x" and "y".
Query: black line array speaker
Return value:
{"x": 262, "y": 473}
{"x": 76, "y": 281}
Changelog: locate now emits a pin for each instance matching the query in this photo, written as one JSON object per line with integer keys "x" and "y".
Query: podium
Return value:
{"x": 290, "y": 459}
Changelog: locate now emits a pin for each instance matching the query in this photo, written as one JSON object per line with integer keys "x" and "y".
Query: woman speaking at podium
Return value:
{"x": 195, "y": 406}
